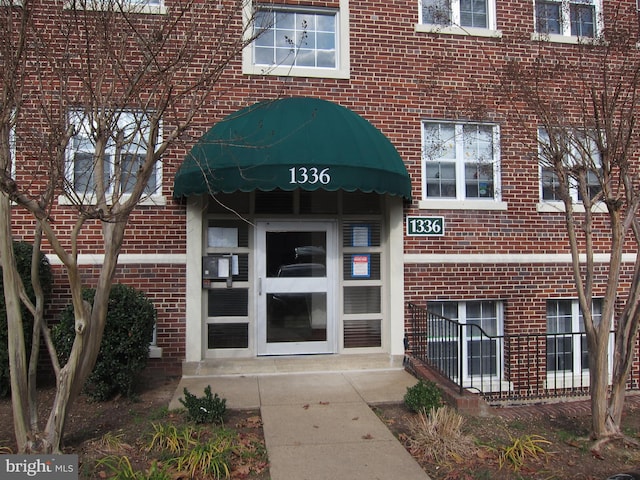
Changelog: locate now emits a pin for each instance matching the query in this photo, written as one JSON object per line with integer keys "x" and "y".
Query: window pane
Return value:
{"x": 228, "y": 335}
{"x": 478, "y": 180}
{"x": 484, "y": 315}
{"x": 436, "y": 12}
{"x": 353, "y": 269}
{"x": 128, "y": 135}
{"x": 550, "y": 185}
{"x": 559, "y": 316}
{"x": 559, "y": 353}
{"x": 83, "y": 172}
{"x": 440, "y": 141}
{"x": 130, "y": 166}
{"x": 295, "y": 38}
{"x": 444, "y": 309}
{"x": 548, "y": 17}
{"x": 228, "y": 302}
{"x": 362, "y": 333}
{"x": 473, "y": 13}
{"x": 441, "y": 180}
{"x": 482, "y": 357}
{"x": 582, "y": 20}
{"x": 444, "y": 355}
{"x": 362, "y": 300}
{"x": 360, "y": 234}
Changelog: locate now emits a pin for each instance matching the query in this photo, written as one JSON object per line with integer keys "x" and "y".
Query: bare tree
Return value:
{"x": 94, "y": 93}
{"x": 584, "y": 107}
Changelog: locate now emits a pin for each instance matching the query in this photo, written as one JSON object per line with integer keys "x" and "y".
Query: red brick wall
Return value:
{"x": 399, "y": 77}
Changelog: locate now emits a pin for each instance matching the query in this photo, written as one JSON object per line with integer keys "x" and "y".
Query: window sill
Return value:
{"x": 557, "y": 38}
{"x": 462, "y": 205}
{"x": 153, "y": 200}
{"x": 339, "y": 73}
{"x": 558, "y": 207}
{"x": 455, "y": 30}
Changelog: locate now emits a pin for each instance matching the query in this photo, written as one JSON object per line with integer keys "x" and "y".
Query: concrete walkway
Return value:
{"x": 318, "y": 426}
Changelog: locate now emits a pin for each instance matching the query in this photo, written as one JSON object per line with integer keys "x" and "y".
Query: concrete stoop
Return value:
{"x": 275, "y": 365}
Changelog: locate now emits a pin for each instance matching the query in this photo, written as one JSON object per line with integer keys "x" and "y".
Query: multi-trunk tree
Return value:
{"x": 94, "y": 93}
{"x": 583, "y": 106}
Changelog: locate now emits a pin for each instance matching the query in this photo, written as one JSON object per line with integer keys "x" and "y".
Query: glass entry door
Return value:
{"x": 295, "y": 285}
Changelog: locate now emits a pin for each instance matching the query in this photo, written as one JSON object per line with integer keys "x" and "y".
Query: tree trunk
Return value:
{"x": 16, "y": 346}
{"x": 90, "y": 323}
{"x": 598, "y": 377}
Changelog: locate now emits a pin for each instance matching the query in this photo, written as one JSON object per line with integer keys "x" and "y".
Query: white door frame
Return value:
{"x": 265, "y": 285}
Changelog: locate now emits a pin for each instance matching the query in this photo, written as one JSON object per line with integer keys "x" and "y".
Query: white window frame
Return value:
{"x": 454, "y": 27}
{"x": 579, "y": 373}
{"x": 552, "y": 205}
{"x": 565, "y": 12}
{"x": 342, "y": 68}
{"x": 488, "y": 382}
{"x": 130, "y": 6}
{"x": 125, "y": 117}
{"x": 460, "y": 201}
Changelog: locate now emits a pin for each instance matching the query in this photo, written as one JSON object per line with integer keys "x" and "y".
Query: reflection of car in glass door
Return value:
{"x": 300, "y": 309}
{"x": 296, "y": 288}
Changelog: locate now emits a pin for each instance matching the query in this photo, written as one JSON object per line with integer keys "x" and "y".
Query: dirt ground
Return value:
{"x": 566, "y": 456}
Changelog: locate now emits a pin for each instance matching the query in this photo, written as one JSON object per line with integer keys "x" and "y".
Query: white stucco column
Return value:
{"x": 396, "y": 275}
{"x": 194, "y": 334}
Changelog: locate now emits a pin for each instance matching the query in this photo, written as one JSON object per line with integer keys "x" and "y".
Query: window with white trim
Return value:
{"x": 124, "y": 154}
{"x": 459, "y": 13}
{"x": 566, "y": 342}
{"x": 481, "y": 319}
{"x": 569, "y": 18}
{"x": 460, "y": 161}
{"x": 299, "y": 41}
{"x": 577, "y": 150}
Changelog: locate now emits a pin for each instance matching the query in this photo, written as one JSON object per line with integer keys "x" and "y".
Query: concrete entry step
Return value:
{"x": 291, "y": 364}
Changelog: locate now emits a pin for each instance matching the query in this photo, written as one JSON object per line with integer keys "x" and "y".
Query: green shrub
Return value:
{"x": 207, "y": 409}
{"x": 22, "y": 251}
{"x": 423, "y": 396}
{"x": 125, "y": 344}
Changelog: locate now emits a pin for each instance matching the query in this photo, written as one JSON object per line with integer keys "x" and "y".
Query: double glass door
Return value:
{"x": 296, "y": 270}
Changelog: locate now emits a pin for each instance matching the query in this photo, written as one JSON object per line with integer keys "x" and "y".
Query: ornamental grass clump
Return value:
{"x": 438, "y": 436}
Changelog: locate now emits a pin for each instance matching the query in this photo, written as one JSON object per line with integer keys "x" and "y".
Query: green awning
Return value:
{"x": 293, "y": 143}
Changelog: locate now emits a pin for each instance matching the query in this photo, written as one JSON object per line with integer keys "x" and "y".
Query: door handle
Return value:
{"x": 259, "y": 286}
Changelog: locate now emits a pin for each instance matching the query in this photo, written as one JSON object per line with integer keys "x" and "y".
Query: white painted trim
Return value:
{"x": 127, "y": 259}
{"x": 395, "y": 279}
{"x": 194, "y": 341}
{"x": 429, "y": 258}
{"x": 343, "y": 68}
{"x": 437, "y": 204}
{"x": 455, "y": 30}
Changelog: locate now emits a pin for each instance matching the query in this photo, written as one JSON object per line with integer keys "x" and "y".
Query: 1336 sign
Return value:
{"x": 309, "y": 176}
{"x": 425, "y": 226}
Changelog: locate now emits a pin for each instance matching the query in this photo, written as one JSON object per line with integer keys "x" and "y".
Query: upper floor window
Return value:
{"x": 578, "y": 152}
{"x": 460, "y": 161}
{"x": 124, "y": 153}
{"x": 300, "y": 41}
{"x": 569, "y": 18}
{"x": 458, "y": 16}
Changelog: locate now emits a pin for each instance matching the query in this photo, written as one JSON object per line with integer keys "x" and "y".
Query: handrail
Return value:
{"x": 519, "y": 366}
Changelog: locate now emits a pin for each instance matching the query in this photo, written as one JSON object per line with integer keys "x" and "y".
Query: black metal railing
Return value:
{"x": 515, "y": 367}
